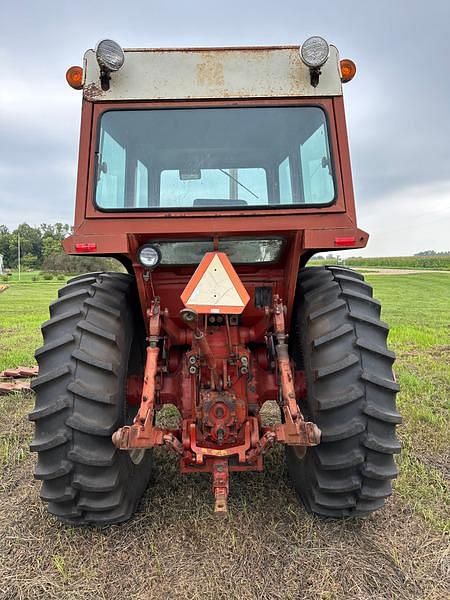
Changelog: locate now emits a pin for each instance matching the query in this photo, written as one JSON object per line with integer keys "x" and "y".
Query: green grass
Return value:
{"x": 13, "y": 440}
{"x": 11, "y": 449}
{"x": 417, "y": 308}
{"x": 23, "y": 308}
{"x": 31, "y": 277}
{"x": 424, "y": 489}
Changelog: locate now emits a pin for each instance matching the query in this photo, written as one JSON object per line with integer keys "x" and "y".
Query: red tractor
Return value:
{"x": 213, "y": 176}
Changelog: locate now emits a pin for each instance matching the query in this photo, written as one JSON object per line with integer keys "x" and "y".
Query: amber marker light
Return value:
{"x": 348, "y": 70}
{"x": 74, "y": 77}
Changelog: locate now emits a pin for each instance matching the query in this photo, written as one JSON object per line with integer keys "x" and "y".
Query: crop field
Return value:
{"x": 394, "y": 262}
{"x": 268, "y": 547}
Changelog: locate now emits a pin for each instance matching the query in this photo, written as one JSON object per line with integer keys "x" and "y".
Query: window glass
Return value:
{"x": 180, "y": 188}
{"x": 214, "y": 157}
{"x": 284, "y": 176}
{"x": 141, "y": 190}
{"x": 209, "y": 187}
{"x": 317, "y": 178}
{"x": 111, "y": 172}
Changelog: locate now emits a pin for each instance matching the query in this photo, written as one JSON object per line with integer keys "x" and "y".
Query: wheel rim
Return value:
{"x": 299, "y": 451}
{"x": 137, "y": 455}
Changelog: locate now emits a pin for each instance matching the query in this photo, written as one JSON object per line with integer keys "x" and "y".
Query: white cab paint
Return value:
{"x": 211, "y": 73}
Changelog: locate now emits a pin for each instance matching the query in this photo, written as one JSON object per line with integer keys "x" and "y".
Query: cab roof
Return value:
{"x": 211, "y": 73}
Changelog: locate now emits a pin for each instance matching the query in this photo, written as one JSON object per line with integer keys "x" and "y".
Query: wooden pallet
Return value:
{"x": 9, "y": 377}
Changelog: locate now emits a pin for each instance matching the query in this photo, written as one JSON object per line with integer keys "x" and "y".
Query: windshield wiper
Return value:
{"x": 239, "y": 183}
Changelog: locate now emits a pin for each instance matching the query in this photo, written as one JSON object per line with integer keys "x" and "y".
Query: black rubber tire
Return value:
{"x": 338, "y": 337}
{"x": 80, "y": 402}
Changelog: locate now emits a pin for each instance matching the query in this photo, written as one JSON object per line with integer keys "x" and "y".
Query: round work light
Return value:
{"x": 149, "y": 256}
{"x": 315, "y": 52}
{"x": 110, "y": 55}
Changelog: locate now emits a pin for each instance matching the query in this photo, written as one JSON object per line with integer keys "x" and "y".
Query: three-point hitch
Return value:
{"x": 221, "y": 429}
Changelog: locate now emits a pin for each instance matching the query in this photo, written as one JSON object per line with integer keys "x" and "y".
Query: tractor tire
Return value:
{"x": 338, "y": 339}
{"x": 91, "y": 343}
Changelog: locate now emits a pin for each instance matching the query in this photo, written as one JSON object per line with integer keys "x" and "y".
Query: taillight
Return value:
{"x": 344, "y": 241}
{"x": 86, "y": 247}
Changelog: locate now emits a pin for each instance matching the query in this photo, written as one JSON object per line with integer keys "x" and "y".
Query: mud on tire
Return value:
{"x": 340, "y": 341}
{"x": 80, "y": 401}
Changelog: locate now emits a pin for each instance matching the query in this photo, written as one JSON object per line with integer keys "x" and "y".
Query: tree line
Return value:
{"x": 36, "y": 244}
{"x": 41, "y": 250}
{"x": 432, "y": 253}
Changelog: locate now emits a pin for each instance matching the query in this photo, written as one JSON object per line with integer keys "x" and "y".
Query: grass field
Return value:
{"x": 32, "y": 277}
{"x": 268, "y": 547}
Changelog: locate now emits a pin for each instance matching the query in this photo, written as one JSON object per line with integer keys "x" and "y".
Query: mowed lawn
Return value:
{"x": 268, "y": 547}
{"x": 23, "y": 308}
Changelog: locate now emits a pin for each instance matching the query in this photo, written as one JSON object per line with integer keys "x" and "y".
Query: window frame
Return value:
{"x": 86, "y": 212}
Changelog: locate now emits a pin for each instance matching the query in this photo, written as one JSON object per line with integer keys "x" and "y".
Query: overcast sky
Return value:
{"x": 398, "y": 107}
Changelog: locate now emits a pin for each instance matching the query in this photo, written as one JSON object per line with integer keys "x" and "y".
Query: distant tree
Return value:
{"x": 432, "y": 253}
{"x": 36, "y": 243}
{"x": 58, "y": 231}
{"x": 30, "y": 243}
{"x": 50, "y": 246}
{"x": 5, "y": 236}
{"x": 74, "y": 265}
{"x": 29, "y": 261}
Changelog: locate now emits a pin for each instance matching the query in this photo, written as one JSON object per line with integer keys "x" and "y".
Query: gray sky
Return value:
{"x": 397, "y": 106}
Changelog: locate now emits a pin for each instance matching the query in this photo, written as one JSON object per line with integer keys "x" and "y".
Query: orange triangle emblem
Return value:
{"x": 215, "y": 287}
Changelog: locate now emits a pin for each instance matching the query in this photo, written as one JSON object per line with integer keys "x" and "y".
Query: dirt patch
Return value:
{"x": 268, "y": 547}
{"x": 439, "y": 352}
{"x": 439, "y": 462}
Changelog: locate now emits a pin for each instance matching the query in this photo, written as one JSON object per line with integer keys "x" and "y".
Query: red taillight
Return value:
{"x": 344, "y": 241}
{"x": 86, "y": 247}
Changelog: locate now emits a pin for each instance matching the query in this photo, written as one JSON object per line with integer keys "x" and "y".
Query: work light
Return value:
{"x": 149, "y": 256}
{"x": 109, "y": 55}
{"x": 315, "y": 52}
